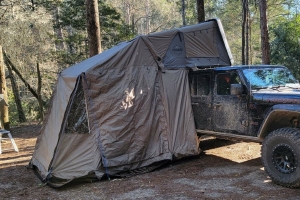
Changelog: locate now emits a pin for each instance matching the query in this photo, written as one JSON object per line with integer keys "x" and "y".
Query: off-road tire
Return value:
{"x": 281, "y": 156}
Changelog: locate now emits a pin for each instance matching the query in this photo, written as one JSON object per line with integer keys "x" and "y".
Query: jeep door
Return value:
{"x": 201, "y": 94}
{"x": 230, "y": 111}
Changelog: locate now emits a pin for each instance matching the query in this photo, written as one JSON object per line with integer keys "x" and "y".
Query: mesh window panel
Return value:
{"x": 77, "y": 119}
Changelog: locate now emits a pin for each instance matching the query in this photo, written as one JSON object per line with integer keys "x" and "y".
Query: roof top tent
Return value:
{"x": 128, "y": 107}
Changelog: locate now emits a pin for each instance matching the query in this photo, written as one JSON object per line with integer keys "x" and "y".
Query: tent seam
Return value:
{"x": 99, "y": 134}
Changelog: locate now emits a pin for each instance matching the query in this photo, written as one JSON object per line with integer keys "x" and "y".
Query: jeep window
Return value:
{"x": 224, "y": 81}
{"x": 269, "y": 77}
{"x": 200, "y": 85}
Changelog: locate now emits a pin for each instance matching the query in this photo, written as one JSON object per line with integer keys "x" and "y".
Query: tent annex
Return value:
{"x": 128, "y": 107}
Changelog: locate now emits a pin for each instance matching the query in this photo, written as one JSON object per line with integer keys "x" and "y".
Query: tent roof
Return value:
{"x": 160, "y": 43}
{"x": 96, "y": 60}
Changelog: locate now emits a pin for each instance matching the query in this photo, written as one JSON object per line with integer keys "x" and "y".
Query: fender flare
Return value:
{"x": 278, "y": 116}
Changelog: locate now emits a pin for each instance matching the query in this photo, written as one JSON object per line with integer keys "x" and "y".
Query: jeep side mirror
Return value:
{"x": 236, "y": 89}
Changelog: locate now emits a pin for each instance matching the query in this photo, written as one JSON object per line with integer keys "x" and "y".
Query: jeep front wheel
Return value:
{"x": 281, "y": 156}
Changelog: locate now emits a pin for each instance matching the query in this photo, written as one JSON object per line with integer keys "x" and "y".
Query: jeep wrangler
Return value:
{"x": 252, "y": 103}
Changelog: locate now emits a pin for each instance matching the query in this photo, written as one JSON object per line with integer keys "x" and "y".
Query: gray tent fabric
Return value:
{"x": 128, "y": 107}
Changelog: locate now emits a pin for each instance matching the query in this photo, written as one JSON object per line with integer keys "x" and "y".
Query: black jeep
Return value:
{"x": 252, "y": 103}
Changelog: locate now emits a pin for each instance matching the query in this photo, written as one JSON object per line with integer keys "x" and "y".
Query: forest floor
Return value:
{"x": 224, "y": 170}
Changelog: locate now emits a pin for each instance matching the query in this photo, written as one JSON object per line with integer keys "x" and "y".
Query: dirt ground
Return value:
{"x": 224, "y": 170}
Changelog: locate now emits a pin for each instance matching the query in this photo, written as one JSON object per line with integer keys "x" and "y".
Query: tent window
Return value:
{"x": 77, "y": 119}
{"x": 200, "y": 85}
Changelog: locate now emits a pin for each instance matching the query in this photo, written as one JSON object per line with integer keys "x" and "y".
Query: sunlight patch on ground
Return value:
{"x": 11, "y": 158}
{"x": 238, "y": 152}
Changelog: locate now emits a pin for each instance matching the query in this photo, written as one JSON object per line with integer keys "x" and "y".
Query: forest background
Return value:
{"x": 40, "y": 38}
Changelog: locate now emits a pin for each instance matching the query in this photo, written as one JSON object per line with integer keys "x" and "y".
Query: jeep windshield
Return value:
{"x": 259, "y": 78}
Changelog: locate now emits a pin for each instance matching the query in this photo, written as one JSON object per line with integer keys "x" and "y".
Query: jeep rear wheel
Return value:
{"x": 281, "y": 156}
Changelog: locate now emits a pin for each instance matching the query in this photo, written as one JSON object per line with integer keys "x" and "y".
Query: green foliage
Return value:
{"x": 285, "y": 48}
{"x": 113, "y": 28}
{"x": 13, "y": 112}
{"x": 29, "y": 106}
{"x": 210, "y": 8}
{"x": 72, "y": 13}
{"x": 191, "y": 12}
{"x": 230, "y": 12}
{"x": 72, "y": 21}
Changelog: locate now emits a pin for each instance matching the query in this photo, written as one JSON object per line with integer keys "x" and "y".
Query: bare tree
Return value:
{"x": 265, "y": 46}
{"x": 60, "y": 45}
{"x": 200, "y": 11}
{"x": 93, "y": 27}
{"x": 13, "y": 67}
{"x": 147, "y": 16}
{"x": 15, "y": 89}
{"x": 245, "y": 33}
{"x": 183, "y": 12}
{"x": 39, "y": 89}
{"x": 3, "y": 90}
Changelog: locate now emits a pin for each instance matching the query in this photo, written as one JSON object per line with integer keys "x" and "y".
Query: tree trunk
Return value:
{"x": 132, "y": 24}
{"x": 247, "y": 44}
{"x": 245, "y": 33}
{"x": 127, "y": 12}
{"x": 265, "y": 46}
{"x": 93, "y": 27}
{"x": 16, "y": 93}
{"x": 60, "y": 45}
{"x": 3, "y": 90}
{"x": 250, "y": 41}
{"x": 39, "y": 91}
{"x": 147, "y": 17}
{"x": 183, "y": 12}
{"x": 200, "y": 11}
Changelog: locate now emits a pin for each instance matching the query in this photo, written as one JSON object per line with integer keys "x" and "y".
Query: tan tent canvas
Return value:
{"x": 127, "y": 108}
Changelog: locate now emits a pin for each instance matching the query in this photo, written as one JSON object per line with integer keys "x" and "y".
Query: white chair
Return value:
{"x": 2, "y": 132}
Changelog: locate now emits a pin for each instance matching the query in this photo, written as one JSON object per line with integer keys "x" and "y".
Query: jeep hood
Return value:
{"x": 281, "y": 96}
